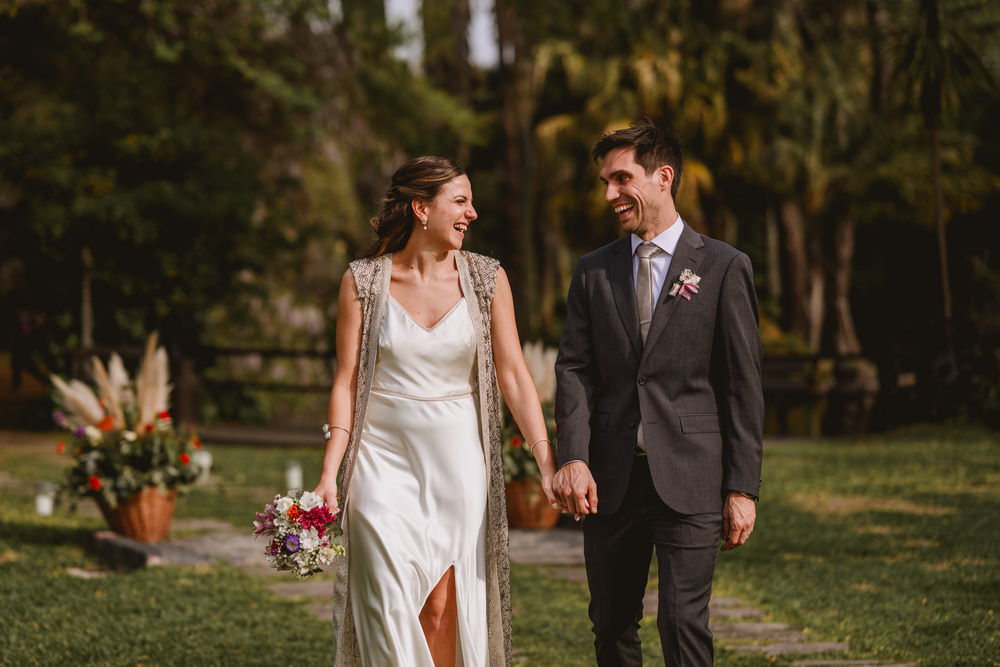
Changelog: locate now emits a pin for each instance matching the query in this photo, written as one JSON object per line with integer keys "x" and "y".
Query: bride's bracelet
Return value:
{"x": 328, "y": 431}
{"x": 532, "y": 448}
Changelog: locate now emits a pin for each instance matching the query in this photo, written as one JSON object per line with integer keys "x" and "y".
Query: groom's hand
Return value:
{"x": 738, "y": 517}
{"x": 576, "y": 489}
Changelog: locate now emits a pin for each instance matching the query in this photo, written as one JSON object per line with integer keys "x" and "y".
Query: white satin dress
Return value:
{"x": 417, "y": 502}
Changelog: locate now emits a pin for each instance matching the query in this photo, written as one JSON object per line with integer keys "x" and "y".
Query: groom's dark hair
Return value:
{"x": 654, "y": 146}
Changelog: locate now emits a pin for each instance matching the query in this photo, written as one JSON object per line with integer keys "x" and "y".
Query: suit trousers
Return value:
{"x": 618, "y": 549}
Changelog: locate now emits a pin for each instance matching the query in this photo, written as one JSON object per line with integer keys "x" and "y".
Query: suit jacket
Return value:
{"x": 695, "y": 384}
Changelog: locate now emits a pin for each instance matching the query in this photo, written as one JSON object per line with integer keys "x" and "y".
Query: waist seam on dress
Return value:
{"x": 389, "y": 392}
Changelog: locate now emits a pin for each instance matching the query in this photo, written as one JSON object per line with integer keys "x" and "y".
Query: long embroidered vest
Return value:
{"x": 477, "y": 276}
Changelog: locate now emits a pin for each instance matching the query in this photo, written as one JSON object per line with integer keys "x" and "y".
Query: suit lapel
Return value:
{"x": 620, "y": 274}
{"x": 687, "y": 255}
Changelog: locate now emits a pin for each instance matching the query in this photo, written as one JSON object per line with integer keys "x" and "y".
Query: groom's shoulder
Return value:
{"x": 599, "y": 256}
{"x": 719, "y": 249}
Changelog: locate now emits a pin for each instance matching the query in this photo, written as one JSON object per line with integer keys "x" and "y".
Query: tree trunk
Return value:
{"x": 796, "y": 264}
{"x": 515, "y": 112}
{"x": 86, "y": 299}
{"x": 816, "y": 305}
{"x": 845, "y": 338}
{"x": 942, "y": 235}
{"x": 773, "y": 256}
{"x": 446, "y": 45}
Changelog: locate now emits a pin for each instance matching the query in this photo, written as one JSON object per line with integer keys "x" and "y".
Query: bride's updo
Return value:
{"x": 420, "y": 178}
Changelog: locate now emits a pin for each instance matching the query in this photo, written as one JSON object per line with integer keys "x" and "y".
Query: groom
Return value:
{"x": 658, "y": 404}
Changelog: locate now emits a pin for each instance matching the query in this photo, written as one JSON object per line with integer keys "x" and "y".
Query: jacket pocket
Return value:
{"x": 707, "y": 423}
{"x": 600, "y": 421}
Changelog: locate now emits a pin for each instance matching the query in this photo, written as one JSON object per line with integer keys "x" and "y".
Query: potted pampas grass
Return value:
{"x": 127, "y": 454}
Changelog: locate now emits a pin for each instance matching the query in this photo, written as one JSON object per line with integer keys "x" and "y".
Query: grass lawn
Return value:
{"x": 889, "y": 542}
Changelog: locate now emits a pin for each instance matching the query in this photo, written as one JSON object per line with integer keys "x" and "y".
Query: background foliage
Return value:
{"x": 207, "y": 168}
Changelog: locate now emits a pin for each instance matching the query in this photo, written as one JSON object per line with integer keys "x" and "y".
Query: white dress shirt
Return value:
{"x": 660, "y": 263}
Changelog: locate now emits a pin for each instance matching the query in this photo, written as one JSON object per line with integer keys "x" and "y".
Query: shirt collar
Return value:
{"x": 666, "y": 241}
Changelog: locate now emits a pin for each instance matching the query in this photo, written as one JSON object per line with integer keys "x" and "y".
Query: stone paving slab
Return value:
{"x": 559, "y": 546}
{"x": 851, "y": 663}
{"x": 793, "y": 648}
{"x": 736, "y": 612}
{"x": 777, "y": 632}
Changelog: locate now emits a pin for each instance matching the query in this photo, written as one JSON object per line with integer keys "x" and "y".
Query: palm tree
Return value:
{"x": 938, "y": 63}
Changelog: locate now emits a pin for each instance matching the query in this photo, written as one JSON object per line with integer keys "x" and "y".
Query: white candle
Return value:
{"x": 203, "y": 459}
{"x": 44, "y": 503}
{"x": 293, "y": 475}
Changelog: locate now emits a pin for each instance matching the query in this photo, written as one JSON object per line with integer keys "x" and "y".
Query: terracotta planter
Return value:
{"x": 527, "y": 506}
{"x": 145, "y": 516}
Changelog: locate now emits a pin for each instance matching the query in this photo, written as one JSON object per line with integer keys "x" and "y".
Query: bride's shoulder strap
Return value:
{"x": 365, "y": 272}
{"x": 484, "y": 274}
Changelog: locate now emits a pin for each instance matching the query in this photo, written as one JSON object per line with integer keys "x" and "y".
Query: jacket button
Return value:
{"x": 642, "y": 380}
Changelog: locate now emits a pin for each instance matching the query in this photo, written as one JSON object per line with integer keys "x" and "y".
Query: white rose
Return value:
{"x": 284, "y": 504}
{"x": 93, "y": 434}
{"x": 129, "y": 436}
{"x": 309, "y": 539}
{"x": 310, "y": 500}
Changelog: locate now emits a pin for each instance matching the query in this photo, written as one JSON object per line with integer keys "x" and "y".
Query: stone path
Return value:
{"x": 736, "y": 626}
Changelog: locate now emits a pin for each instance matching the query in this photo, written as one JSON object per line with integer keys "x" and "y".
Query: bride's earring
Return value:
{"x": 423, "y": 223}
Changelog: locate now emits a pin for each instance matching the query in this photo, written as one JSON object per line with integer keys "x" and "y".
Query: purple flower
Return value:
{"x": 292, "y": 544}
{"x": 60, "y": 420}
{"x": 80, "y": 432}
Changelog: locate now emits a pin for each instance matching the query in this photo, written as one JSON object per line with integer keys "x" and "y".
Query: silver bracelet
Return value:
{"x": 532, "y": 448}
{"x": 328, "y": 431}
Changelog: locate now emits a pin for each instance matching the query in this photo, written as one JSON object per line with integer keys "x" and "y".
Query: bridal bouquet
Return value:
{"x": 302, "y": 531}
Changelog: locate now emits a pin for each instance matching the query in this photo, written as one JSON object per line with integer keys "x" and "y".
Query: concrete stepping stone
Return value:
{"x": 559, "y": 546}
{"x": 792, "y": 648}
{"x": 851, "y": 663}
{"x": 736, "y": 612}
{"x": 775, "y": 632}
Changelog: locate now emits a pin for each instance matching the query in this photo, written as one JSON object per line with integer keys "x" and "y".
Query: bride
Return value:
{"x": 425, "y": 334}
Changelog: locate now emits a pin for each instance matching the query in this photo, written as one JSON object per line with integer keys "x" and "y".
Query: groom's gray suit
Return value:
{"x": 695, "y": 387}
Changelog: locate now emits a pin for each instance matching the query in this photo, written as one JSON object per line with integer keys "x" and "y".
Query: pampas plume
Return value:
{"x": 80, "y": 401}
{"x": 109, "y": 392}
{"x": 541, "y": 362}
{"x": 152, "y": 383}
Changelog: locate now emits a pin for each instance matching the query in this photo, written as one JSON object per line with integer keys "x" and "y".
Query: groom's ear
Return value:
{"x": 665, "y": 174}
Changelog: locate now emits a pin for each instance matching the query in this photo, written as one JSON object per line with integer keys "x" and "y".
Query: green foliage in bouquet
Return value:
{"x": 124, "y": 439}
{"x": 518, "y": 460}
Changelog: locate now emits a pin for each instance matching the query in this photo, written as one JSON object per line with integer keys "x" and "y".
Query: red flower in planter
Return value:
{"x": 164, "y": 415}
{"x": 94, "y": 482}
{"x": 185, "y": 458}
{"x": 196, "y": 444}
{"x": 516, "y": 442}
{"x": 107, "y": 424}
{"x": 60, "y": 447}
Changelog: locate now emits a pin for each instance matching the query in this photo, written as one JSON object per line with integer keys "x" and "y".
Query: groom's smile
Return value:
{"x": 637, "y": 198}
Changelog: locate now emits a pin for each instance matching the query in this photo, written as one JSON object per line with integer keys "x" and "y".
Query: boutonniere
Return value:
{"x": 686, "y": 284}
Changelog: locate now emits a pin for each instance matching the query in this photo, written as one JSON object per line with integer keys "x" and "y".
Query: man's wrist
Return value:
{"x": 744, "y": 494}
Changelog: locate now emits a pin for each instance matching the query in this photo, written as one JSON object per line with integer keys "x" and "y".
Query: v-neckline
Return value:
{"x": 434, "y": 326}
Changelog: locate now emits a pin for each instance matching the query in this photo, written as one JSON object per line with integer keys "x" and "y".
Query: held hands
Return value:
{"x": 576, "y": 490}
{"x": 738, "y": 517}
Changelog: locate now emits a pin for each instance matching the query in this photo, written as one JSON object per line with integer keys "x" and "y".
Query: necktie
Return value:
{"x": 644, "y": 285}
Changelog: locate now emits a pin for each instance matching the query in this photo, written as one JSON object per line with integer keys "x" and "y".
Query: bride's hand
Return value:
{"x": 328, "y": 492}
{"x": 547, "y": 489}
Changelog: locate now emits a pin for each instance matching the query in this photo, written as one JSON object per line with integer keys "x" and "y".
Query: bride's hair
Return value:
{"x": 420, "y": 178}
